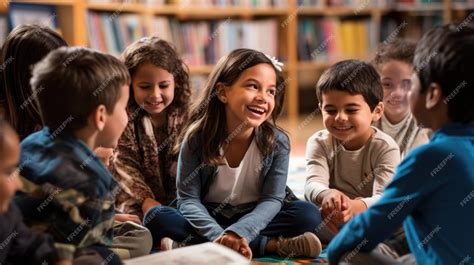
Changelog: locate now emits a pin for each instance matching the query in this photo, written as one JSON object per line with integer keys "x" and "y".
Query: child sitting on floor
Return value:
{"x": 145, "y": 166}
{"x": 349, "y": 163}
{"x": 393, "y": 61}
{"x": 233, "y": 167}
{"x": 69, "y": 192}
{"x": 18, "y": 245}
{"x": 432, "y": 190}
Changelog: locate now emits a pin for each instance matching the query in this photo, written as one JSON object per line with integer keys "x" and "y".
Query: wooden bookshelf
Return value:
{"x": 419, "y": 7}
{"x": 334, "y": 11}
{"x": 72, "y": 19}
{"x": 462, "y": 6}
{"x": 3, "y": 7}
{"x": 117, "y": 7}
{"x": 48, "y": 2}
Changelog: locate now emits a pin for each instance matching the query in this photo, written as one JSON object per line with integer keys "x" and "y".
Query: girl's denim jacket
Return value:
{"x": 194, "y": 178}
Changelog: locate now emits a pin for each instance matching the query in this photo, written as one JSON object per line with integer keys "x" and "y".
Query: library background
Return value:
{"x": 307, "y": 35}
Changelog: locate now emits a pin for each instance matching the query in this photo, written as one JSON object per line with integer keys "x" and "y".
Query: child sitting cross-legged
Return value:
{"x": 350, "y": 162}
{"x": 69, "y": 193}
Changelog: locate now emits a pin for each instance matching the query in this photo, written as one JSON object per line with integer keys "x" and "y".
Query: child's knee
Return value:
{"x": 144, "y": 243}
{"x": 157, "y": 216}
{"x": 307, "y": 216}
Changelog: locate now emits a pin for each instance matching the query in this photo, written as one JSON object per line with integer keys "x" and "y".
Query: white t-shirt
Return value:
{"x": 238, "y": 185}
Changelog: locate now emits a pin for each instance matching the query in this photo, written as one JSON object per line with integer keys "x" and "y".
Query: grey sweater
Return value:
{"x": 361, "y": 173}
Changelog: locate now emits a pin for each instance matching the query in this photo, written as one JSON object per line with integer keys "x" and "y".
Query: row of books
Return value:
{"x": 418, "y": 1}
{"x": 411, "y": 27}
{"x": 198, "y": 42}
{"x": 239, "y": 3}
{"x": 219, "y": 3}
{"x": 205, "y": 42}
{"x": 333, "y": 39}
{"x": 369, "y": 3}
{"x": 112, "y": 33}
{"x": 357, "y": 3}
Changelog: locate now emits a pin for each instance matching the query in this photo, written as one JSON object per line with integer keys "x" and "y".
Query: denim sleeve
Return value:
{"x": 271, "y": 197}
{"x": 188, "y": 181}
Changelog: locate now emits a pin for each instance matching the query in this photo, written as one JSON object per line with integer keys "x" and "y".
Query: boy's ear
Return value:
{"x": 434, "y": 95}
{"x": 99, "y": 117}
{"x": 221, "y": 93}
{"x": 378, "y": 112}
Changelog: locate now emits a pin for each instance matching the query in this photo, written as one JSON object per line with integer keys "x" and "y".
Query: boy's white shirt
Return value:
{"x": 361, "y": 173}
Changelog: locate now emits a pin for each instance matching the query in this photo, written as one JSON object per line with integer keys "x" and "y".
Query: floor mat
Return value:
{"x": 322, "y": 259}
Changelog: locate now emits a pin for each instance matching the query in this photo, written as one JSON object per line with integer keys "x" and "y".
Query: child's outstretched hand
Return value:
{"x": 235, "y": 242}
{"x": 332, "y": 200}
{"x": 336, "y": 210}
{"x": 330, "y": 219}
{"x": 347, "y": 211}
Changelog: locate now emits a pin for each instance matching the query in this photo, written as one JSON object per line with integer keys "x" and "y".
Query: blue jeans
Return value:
{"x": 295, "y": 218}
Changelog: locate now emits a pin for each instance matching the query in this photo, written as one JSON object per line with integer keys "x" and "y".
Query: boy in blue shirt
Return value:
{"x": 432, "y": 190}
{"x": 69, "y": 193}
{"x": 18, "y": 244}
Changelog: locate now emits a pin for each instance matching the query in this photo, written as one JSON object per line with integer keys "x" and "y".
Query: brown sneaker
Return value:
{"x": 167, "y": 243}
{"x": 305, "y": 245}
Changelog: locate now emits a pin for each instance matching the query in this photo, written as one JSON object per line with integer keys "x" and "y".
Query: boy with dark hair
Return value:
{"x": 349, "y": 163}
{"x": 432, "y": 189}
{"x": 394, "y": 62}
{"x": 69, "y": 192}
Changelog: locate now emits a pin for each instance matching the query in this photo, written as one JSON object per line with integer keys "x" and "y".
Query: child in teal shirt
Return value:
{"x": 432, "y": 190}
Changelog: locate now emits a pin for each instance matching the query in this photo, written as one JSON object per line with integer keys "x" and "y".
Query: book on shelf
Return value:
{"x": 199, "y": 42}
{"x": 202, "y": 254}
{"x": 411, "y": 27}
{"x": 468, "y": 2}
{"x": 23, "y": 13}
{"x": 197, "y": 81}
{"x": 311, "y": 3}
{"x": 427, "y": 2}
{"x": 333, "y": 39}
{"x": 146, "y": 2}
{"x": 206, "y": 41}
{"x": 215, "y": 3}
{"x": 233, "y": 3}
{"x": 3, "y": 29}
{"x": 358, "y": 4}
{"x": 112, "y": 33}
